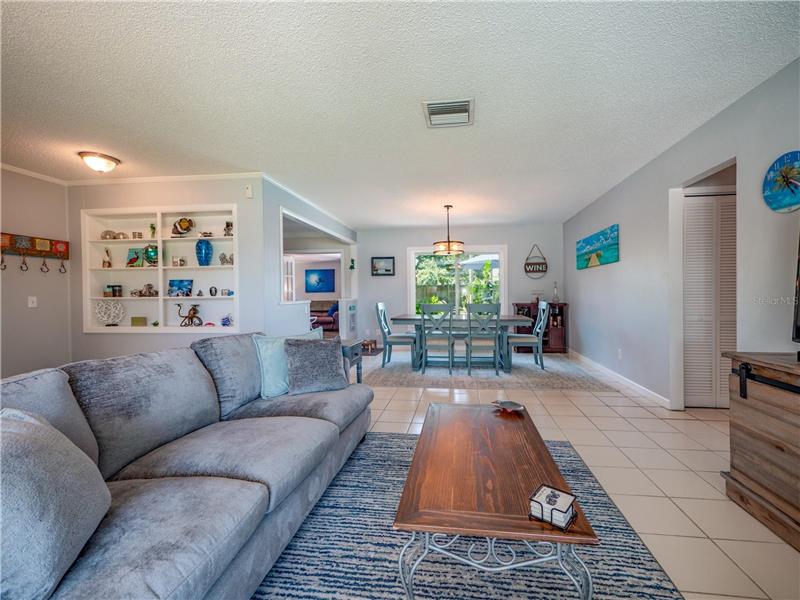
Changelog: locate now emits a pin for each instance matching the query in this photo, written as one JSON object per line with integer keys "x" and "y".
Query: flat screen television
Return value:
{"x": 796, "y": 328}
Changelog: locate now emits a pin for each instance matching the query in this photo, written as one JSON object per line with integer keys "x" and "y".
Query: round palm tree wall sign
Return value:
{"x": 781, "y": 187}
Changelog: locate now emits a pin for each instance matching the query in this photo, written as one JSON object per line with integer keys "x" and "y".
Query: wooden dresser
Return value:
{"x": 765, "y": 440}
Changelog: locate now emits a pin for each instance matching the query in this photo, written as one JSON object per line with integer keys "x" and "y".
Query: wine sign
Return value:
{"x": 536, "y": 263}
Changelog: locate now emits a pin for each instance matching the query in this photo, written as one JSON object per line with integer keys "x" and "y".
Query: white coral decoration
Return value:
{"x": 109, "y": 312}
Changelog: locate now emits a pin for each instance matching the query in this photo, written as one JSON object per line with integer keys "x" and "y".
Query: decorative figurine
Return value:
{"x": 206, "y": 234}
{"x": 212, "y": 291}
{"x": 148, "y": 291}
{"x": 228, "y": 231}
{"x": 109, "y": 312}
{"x": 204, "y": 250}
{"x": 121, "y": 236}
{"x": 182, "y": 226}
{"x": 152, "y": 231}
{"x": 227, "y": 321}
{"x": 108, "y": 235}
{"x": 107, "y": 259}
{"x": 192, "y": 316}
{"x": 199, "y": 293}
{"x": 136, "y": 235}
{"x": 150, "y": 253}
{"x": 225, "y": 259}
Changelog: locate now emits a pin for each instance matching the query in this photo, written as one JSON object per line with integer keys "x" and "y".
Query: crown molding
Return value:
{"x": 163, "y": 179}
{"x": 33, "y": 174}
{"x": 174, "y": 178}
{"x": 313, "y": 205}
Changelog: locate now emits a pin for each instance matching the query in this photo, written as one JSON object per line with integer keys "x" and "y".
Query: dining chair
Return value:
{"x": 437, "y": 331}
{"x": 391, "y": 339}
{"x": 533, "y": 339}
{"x": 483, "y": 332}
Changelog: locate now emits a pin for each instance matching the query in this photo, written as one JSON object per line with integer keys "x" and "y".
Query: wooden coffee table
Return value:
{"x": 473, "y": 472}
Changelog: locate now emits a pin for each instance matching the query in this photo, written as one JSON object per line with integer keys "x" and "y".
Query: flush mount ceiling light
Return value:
{"x": 448, "y": 247}
{"x": 102, "y": 163}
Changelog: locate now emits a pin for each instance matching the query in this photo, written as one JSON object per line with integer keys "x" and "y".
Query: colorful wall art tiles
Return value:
{"x": 781, "y": 188}
{"x": 26, "y": 245}
{"x": 600, "y": 248}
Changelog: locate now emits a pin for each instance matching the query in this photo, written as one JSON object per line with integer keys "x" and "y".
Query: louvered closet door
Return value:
{"x": 699, "y": 216}
{"x": 709, "y": 298}
{"x": 726, "y": 294}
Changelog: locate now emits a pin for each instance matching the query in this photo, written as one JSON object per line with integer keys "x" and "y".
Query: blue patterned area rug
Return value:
{"x": 346, "y": 549}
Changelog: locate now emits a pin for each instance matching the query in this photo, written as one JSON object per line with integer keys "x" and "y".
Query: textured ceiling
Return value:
{"x": 326, "y": 98}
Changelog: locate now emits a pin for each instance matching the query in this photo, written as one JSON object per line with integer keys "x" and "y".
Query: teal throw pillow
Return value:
{"x": 273, "y": 361}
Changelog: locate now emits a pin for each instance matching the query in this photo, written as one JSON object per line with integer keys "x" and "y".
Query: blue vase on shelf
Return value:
{"x": 204, "y": 251}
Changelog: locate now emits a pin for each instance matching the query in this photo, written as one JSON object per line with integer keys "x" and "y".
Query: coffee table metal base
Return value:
{"x": 493, "y": 555}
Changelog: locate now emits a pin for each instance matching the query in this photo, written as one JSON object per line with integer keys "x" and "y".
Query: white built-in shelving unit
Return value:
{"x": 161, "y": 309}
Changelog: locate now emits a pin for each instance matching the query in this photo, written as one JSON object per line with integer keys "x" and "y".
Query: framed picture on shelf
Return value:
{"x": 180, "y": 288}
{"x": 383, "y": 266}
{"x": 135, "y": 257}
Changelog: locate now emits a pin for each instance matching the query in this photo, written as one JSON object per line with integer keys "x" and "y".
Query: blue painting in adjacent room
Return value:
{"x": 320, "y": 281}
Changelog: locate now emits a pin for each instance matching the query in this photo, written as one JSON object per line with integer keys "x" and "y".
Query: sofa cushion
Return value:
{"x": 52, "y": 499}
{"x": 47, "y": 393}
{"x": 166, "y": 538}
{"x": 315, "y": 366}
{"x": 139, "y": 402}
{"x": 340, "y": 407}
{"x": 273, "y": 363}
{"x": 233, "y": 363}
{"x": 278, "y": 452}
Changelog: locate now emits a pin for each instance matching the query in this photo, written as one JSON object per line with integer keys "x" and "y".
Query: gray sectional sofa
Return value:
{"x": 207, "y": 481}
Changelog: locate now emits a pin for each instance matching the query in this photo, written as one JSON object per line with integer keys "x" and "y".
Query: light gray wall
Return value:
{"x": 34, "y": 338}
{"x": 395, "y": 242}
{"x": 251, "y": 259}
{"x": 300, "y": 279}
{"x": 625, "y": 305}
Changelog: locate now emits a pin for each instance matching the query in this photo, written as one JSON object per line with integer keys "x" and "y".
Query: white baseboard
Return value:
{"x": 647, "y": 393}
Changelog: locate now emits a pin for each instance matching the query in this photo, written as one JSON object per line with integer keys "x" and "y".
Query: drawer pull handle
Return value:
{"x": 744, "y": 372}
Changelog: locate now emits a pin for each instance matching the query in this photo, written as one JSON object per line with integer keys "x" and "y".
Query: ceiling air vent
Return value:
{"x": 450, "y": 113}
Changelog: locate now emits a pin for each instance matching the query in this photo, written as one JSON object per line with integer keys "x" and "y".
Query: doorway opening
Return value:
{"x": 709, "y": 287}
{"x": 316, "y": 271}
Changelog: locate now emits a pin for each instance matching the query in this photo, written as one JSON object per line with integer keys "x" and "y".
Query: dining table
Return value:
{"x": 460, "y": 322}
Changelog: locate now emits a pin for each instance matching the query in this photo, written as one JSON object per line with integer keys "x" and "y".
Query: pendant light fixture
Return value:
{"x": 448, "y": 247}
{"x": 102, "y": 163}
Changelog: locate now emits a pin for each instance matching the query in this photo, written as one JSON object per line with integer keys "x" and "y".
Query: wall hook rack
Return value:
{"x": 23, "y": 265}
{"x": 63, "y": 268}
{"x": 44, "y": 268}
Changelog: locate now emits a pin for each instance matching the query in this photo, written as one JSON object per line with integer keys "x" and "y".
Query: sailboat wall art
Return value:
{"x": 600, "y": 248}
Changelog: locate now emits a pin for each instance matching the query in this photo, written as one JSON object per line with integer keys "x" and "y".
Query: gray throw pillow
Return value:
{"x": 314, "y": 366}
{"x": 47, "y": 393}
{"x": 52, "y": 499}
{"x": 233, "y": 363}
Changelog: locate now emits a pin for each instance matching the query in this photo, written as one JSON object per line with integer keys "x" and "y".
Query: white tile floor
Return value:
{"x": 660, "y": 467}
